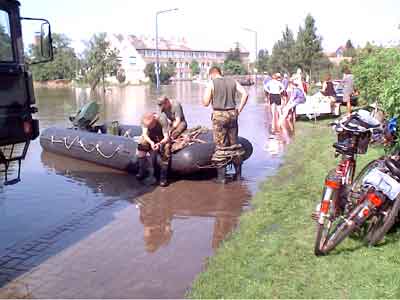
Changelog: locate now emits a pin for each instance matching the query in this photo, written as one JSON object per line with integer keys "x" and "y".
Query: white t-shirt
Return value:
{"x": 274, "y": 87}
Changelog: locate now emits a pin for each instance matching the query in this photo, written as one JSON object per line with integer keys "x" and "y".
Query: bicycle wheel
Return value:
{"x": 327, "y": 207}
{"x": 344, "y": 229}
{"x": 354, "y": 191}
{"x": 382, "y": 223}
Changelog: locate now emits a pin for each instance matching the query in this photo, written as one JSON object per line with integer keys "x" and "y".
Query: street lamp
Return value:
{"x": 157, "y": 54}
{"x": 256, "y": 49}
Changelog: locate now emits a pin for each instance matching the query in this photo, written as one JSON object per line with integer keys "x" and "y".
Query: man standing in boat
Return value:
{"x": 174, "y": 112}
{"x": 221, "y": 94}
{"x": 155, "y": 137}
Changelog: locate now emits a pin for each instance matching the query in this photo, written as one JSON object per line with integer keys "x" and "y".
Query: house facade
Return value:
{"x": 136, "y": 52}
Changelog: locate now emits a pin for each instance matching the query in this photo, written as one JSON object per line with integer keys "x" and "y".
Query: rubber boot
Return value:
{"x": 163, "y": 175}
{"x": 221, "y": 172}
{"x": 238, "y": 170}
{"x": 141, "y": 174}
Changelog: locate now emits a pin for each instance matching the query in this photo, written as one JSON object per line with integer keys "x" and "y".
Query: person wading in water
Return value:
{"x": 155, "y": 137}
{"x": 221, "y": 94}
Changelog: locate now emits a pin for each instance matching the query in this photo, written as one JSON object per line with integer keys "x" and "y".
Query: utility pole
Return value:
{"x": 256, "y": 50}
{"x": 157, "y": 67}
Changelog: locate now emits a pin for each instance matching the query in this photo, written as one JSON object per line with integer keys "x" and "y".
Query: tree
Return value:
{"x": 234, "y": 55}
{"x": 283, "y": 53}
{"x": 100, "y": 60}
{"x": 5, "y": 45}
{"x": 194, "y": 67}
{"x": 263, "y": 60}
{"x": 64, "y": 65}
{"x": 349, "y": 51}
{"x": 166, "y": 72}
{"x": 308, "y": 45}
{"x": 233, "y": 67}
{"x": 233, "y": 63}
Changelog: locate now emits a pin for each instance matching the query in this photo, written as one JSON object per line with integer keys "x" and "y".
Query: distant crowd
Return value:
{"x": 284, "y": 93}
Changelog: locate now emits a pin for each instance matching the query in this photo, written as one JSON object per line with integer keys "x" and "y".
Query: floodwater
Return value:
{"x": 75, "y": 229}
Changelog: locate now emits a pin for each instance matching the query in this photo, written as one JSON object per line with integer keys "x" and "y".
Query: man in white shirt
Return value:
{"x": 275, "y": 89}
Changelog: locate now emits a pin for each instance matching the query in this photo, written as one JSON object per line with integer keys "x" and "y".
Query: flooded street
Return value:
{"x": 72, "y": 229}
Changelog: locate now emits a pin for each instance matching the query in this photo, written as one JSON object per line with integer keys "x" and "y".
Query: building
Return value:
{"x": 136, "y": 52}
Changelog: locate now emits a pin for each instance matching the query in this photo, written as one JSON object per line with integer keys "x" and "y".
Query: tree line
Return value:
{"x": 291, "y": 52}
{"x": 100, "y": 59}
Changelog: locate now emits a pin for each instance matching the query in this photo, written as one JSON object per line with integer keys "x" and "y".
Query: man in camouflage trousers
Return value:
{"x": 221, "y": 94}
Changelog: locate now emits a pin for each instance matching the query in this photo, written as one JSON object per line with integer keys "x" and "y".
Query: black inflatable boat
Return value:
{"x": 119, "y": 151}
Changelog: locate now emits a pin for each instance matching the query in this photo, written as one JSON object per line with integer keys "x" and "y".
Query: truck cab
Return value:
{"x": 17, "y": 98}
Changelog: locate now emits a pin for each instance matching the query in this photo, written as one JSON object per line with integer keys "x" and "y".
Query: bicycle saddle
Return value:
{"x": 393, "y": 166}
{"x": 344, "y": 147}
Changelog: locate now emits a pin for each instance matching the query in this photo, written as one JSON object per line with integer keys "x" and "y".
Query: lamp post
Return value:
{"x": 256, "y": 49}
{"x": 157, "y": 68}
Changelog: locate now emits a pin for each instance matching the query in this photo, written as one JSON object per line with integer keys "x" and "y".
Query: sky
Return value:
{"x": 216, "y": 24}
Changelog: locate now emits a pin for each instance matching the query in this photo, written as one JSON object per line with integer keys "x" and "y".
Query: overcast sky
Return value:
{"x": 219, "y": 23}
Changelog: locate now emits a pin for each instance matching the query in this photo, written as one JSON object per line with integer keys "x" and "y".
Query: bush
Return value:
{"x": 371, "y": 69}
{"x": 166, "y": 72}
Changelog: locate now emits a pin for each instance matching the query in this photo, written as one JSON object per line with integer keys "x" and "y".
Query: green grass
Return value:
{"x": 271, "y": 254}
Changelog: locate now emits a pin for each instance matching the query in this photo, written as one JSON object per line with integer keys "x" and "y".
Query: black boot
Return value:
{"x": 238, "y": 170}
{"x": 141, "y": 174}
{"x": 164, "y": 175}
{"x": 221, "y": 172}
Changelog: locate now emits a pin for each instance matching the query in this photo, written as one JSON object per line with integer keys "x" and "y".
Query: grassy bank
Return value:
{"x": 271, "y": 255}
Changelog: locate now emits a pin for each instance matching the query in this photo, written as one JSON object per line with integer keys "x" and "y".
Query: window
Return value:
{"x": 132, "y": 60}
{"x": 6, "y": 51}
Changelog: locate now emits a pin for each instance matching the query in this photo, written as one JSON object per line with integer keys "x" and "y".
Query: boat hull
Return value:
{"x": 119, "y": 152}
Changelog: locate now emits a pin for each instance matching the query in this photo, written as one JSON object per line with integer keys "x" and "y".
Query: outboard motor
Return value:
{"x": 86, "y": 116}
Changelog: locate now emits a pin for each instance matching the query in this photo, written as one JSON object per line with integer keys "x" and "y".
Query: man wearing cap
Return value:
{"x": 155, "y": 137}
{"x": 174, "y": 113}
{"x": 221, "y": 94}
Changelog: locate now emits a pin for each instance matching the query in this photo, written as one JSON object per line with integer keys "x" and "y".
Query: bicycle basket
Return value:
{"x": 363, "y": 142}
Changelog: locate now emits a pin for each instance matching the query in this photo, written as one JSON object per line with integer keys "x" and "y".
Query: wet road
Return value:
{"x": 67, "y": 217}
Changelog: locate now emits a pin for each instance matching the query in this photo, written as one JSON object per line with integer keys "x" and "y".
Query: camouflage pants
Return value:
{"x": 178, "y": 130}
{"x": 165, "y": 150}
{"x": 225, "y": 128}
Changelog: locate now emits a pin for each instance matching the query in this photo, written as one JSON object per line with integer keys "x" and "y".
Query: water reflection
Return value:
{"x": 158, "y": 207}
{"x": 188, "y": 199}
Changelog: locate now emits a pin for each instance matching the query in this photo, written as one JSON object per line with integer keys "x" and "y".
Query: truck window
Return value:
{"x": 6, "y": 53}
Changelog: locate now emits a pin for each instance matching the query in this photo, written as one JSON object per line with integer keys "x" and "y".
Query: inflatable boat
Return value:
{"x": 114, "y": 145}
{"x": 119, "y": 151}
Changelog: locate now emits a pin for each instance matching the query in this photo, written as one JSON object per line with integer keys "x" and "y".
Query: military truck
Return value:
{"x": 17, "y": 98}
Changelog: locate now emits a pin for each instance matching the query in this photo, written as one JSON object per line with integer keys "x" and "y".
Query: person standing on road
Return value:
{"x": 285, "y": 83}
{"x": 155, "y": 137}
{"x": 174, "y": 112}
{"x": 221, "y": 94}
{"x": 348, "y": 88}
{"x": 297, "y": 97}
{"x": 275, "y": 89}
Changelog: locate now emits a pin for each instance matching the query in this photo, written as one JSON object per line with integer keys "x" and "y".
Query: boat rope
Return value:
{"x": 104, "y": 155}
{"x": 73, "y": 141}
{"x": 85, "y": 148}
{"x": 224, "y": 156}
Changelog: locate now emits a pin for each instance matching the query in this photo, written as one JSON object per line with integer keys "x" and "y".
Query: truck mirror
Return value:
{"x": 37, "y": 37}
{"x": 46, "y": 47}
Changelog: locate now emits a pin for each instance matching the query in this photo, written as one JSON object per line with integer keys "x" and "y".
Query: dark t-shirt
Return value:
{"x": 175, "y": 112}
{"x": 161, "y": 128}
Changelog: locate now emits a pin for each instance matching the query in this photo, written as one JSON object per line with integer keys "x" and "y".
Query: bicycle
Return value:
{"x": 354, "y": 134}
{"x": 378, "y": 202}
